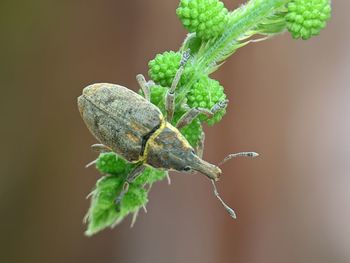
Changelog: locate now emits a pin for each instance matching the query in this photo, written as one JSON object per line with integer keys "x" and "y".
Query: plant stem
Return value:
{"x": 240, "y": 26}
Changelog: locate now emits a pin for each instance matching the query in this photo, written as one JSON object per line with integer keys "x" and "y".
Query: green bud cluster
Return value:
{"x": 158, "y": 94}
{"x": 306, "y": 18}
{"x": 205, "y": 94}
{"x": 163, "y": 67}
{"x": 205, "y": 17}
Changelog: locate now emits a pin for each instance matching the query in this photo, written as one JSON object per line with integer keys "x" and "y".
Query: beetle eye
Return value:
{"x": 187, "y": 168}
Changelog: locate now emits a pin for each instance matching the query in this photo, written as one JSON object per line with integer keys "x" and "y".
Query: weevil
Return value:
{"x": 131, "y": 126}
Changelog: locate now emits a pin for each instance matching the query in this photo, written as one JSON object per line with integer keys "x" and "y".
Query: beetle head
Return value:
{"x": 193, "y": 163}
{"x": 170, "y": 150}
{"x": 183, "y": 160}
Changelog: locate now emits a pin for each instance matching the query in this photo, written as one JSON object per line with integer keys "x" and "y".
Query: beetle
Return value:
{"x": 131, "y": 126}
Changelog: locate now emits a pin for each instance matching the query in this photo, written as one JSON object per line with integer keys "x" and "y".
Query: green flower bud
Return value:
{"x": 205, "y": 17}
{"x": 158, "y": 96}
{"x": 306, "y": 18}
{"x": 163, "y": 67}
{"x": 205, "y": 94}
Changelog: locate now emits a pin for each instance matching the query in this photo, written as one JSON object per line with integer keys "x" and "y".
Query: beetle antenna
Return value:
{"x": 241, "y": 154}
{"x": 229, "y": 210}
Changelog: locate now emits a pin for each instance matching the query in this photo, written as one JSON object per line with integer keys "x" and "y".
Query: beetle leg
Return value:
{"x": 241, "y": 154}
{"x": 150, "y": 84}
{"x": 189, "y": 116}
{"x": 129, "y": 179}
{"x": 135, "y": 173}
{"x": 193, "y": 113}
{"x": 170, "y": 96}
{"x": 217, "y": 107}
{"x": 144, "y": 86}
{"x": 122, "y": 193}
{"x": 200, "y": 147}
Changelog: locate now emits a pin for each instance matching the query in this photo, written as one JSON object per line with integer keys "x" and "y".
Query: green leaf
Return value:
{"x": 103, "y": 211}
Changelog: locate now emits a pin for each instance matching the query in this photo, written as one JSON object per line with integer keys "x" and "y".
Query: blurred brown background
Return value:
{"x": 289, "y": 101}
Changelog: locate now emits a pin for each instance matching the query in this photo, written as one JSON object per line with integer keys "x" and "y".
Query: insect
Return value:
{"x": 131, "y": 126}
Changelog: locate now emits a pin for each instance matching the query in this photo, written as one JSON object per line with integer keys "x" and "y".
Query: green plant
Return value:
{"x": 215, "y": 34}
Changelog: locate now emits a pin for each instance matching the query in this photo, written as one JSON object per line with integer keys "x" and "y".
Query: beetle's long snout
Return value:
{"x": 208, "y": 169}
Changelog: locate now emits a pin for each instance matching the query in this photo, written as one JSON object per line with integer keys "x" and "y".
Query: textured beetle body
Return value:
{"x": 135, "y": 129}
{"x": 118, "y": 118}
{"x": 169, "y": 149}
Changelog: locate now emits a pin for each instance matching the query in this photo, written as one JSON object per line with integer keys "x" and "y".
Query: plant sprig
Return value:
{"x": 215, "y": 34}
